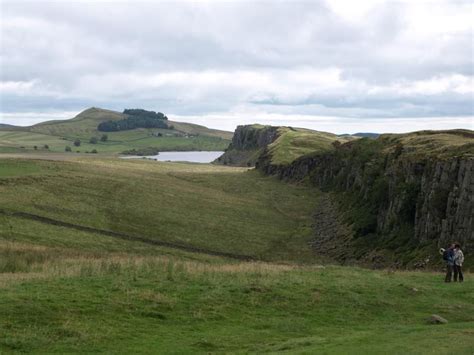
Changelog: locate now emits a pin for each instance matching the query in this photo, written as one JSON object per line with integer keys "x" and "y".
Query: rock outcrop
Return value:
{"x": 247, "y": 144}
{"x": 398, "y": 196}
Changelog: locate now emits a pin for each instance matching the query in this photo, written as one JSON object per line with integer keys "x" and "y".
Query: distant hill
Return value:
{"x": 366, "y": 135}
{"x": 361, "y": 135}
{"x": 282, "y": 145}
{"x": 58, "y": 134}
{"x": 8, "y": 127}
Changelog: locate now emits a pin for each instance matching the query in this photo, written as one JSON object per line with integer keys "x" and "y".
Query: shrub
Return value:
{"x": 93, "y": 140}
{"x": 77, "y": 142}
{"x": 35, "y": 147}
{"x": 104, "y": 138}
{"x": 94, "y": 151}
{"x": 68, "y": 149}
{"x": 46, "y": 146}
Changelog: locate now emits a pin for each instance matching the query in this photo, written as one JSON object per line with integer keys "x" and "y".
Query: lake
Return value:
{"x": 192, "y": 157}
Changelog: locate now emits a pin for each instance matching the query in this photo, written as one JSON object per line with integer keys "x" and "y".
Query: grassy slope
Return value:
{"x": 442, "y": 144}
{"x": 297, "y": 142}
{"x": 291, "y": 144}
{"x": 58, "y": 134}
{"x": 224, "y": 208}
{"x": 162, "y": 305}
{"x": 63, "y": 290}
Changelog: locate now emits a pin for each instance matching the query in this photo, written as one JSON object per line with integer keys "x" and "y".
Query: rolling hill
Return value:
{"x": 109, "y": 255}
{"x": 282, "y": 145}
{"x": 54, "y": 136}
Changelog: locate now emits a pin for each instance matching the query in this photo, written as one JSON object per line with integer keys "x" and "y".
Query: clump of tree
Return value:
{"x": 104, "y": 138}
{"x": 136, "y": 118}
{"x": 46, "y": 147}
{"x": 77, "y": 142}
{"x": 68, "y": 149}
{"x": 138, "y": 112}
{"x": 93, "y": 140}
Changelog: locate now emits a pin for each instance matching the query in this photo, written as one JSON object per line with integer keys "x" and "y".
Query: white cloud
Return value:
{"x": 363, "y": 59}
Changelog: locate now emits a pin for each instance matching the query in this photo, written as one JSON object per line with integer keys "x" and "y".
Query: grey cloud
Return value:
{"x": 61, "y": 44}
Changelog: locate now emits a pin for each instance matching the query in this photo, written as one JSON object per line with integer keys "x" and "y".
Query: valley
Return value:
{"x": 99, "y": 253}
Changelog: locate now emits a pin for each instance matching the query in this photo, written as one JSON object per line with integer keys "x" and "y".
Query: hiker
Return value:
{"x": 448, "y": 257}
{"x": 458, "y": 260}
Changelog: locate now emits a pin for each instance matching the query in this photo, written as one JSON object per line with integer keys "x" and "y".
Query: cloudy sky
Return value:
{"x": 339, "y": 66}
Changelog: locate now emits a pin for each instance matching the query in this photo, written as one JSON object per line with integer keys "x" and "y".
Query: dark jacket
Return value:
{"x": 450, "y": 260}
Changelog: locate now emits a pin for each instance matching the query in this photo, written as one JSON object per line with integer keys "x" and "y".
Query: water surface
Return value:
{"x": 192, "y": 156}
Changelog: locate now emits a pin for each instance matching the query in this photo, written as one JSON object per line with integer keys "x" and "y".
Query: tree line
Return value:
{"x": 136, "y": 118}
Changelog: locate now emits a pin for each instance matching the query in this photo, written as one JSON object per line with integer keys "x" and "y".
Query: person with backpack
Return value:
{"x": 458, "y": 260}
{"x": 448, "y": 257}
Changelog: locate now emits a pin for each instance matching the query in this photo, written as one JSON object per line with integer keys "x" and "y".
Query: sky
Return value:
{"x": 338, "y": 66}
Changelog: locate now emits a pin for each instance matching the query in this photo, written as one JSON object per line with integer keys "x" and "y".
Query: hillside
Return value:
{"x": 393, "y": 200}
{"x": 210, "y": 207}
{"x": 109, "y": 255}
{"x": 61, "y": 133}
{"x": 281, "y": 144}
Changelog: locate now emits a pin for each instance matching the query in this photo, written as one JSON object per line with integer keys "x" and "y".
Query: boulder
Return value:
{"x": 435, "y": 319}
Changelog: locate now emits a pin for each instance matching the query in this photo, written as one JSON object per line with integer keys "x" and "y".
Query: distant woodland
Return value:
{"x": 136, "y": 118}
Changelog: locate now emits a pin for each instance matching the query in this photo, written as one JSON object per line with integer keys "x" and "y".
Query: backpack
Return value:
{"x": 446, "y": 256}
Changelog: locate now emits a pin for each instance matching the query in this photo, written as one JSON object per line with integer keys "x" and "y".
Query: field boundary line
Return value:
{"x": 188, "y": 248}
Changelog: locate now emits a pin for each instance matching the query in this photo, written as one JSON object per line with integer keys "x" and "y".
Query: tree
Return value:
{"x": 104, "y": 138}
{"x": 135, "y": 118}
{"x": 46, "y": 146}
{"x": 93, "y": 140}
{"x": 35, "y": 147}
{"x": 77, "y": 142}
{"x": 94, "y": 151}
{"x": 68, "y": 149}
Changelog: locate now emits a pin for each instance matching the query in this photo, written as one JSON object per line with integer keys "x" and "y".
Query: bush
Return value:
{"x": 77, "y": 142}
{"x": 68, "y": 149}
{"x": 93, "y": 140}
{"x": 46, "y": 146}
{"x": 94, "y": 151}
{"x": 35, "y": 147}
{"x": 104, "y": 138}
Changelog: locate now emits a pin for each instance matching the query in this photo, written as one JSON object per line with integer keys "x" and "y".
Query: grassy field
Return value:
{"x": 161, "y": 304}
{"x": 442, "y": 144}
{"x": 293, "y": 143}
{"x": 59, "y": 134}
{"x": 81, "y": 269}
{"x": 205, "y": 206}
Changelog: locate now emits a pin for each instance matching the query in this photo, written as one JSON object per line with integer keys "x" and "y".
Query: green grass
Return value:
{"x": 295, "y": 143}
{"x": 160, "y": 304}
{"x": 67, "y": 290}
{"x": 118, "y": 142}
{"x": 59, "y": 134}
{"x": 18, "y": 168}
{"x": 206, "y": 206}
{"x": 441, "y": 144}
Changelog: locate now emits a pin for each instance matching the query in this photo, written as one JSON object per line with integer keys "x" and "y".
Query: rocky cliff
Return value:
{"x": 247, "y": 144}
{"x": 403, "y": 196}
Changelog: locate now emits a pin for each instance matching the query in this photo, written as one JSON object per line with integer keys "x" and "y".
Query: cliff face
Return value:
{"x": 247, "y": 144}
{"x": 394, "y": 196}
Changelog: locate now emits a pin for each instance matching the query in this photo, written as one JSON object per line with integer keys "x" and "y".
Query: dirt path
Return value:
{"x": 118, "y": 235}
